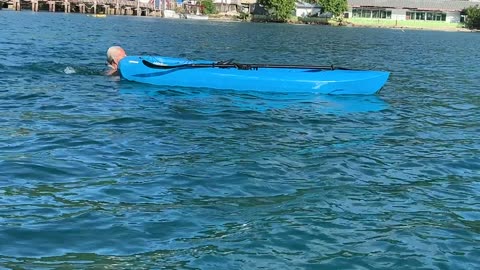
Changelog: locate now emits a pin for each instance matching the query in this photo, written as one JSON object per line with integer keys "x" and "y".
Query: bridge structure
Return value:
{"x": 107, "y": 7}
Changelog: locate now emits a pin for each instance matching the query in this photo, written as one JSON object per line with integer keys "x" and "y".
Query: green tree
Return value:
{"x": 336, "y": 7}
{"x": 208, "y": 7}
{"x": 473, "y": 17}
{"x": 280, "y": 10}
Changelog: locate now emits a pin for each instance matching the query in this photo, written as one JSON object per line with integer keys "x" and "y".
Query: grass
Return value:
{"x": 406, "y": 24}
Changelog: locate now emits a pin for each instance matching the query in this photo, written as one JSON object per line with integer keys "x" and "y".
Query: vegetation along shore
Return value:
{"x": 445, "y": 15}
{"x": 462, "y": 18}
{"x": 421, "y": 14}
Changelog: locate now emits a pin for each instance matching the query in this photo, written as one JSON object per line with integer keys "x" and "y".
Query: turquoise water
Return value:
{"x": 98, "y": 173}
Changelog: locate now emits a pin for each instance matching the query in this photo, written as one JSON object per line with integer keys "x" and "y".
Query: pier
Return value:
{"x": 107, "y": 7}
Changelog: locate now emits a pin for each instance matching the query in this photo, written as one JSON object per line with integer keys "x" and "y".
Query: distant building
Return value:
{"x": 228, "y": 6}
{"x": 304, "y": 9}
{"x": 417, "y": 10}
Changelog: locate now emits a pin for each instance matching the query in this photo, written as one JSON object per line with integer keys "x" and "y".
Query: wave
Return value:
{"x": 53, "y": 68}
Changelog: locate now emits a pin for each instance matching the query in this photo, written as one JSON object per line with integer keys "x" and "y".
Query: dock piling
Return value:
{"x": 35, "y": 5}
{"x": 16, "y": 5}
{"x": 51, "y": 6}
{"x": 67, "y": 6}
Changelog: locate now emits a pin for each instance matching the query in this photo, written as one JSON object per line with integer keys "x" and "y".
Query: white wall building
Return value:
{"x": 420, "y": 10}
{"x": 303, "y": 9}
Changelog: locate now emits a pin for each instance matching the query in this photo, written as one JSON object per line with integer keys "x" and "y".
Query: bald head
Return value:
{"x": 114, "y": 55}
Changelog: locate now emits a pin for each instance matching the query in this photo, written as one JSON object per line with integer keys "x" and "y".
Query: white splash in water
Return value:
{"x": 69, "y": 70}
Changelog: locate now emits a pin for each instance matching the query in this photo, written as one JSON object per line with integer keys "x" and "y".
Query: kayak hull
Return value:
{"x": 284, "y": 80}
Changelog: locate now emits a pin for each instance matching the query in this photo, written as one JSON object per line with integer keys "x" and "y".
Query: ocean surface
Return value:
{"x": 100, "y": 173}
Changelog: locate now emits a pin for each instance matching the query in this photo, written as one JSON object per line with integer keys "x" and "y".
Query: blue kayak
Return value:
{"x": 180, "y": 72}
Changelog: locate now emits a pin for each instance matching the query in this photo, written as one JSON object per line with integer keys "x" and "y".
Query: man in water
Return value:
{"x": 114, "y": 55}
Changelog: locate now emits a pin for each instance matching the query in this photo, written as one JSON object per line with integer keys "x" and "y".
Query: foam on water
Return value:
{"x": 69, "y": 70}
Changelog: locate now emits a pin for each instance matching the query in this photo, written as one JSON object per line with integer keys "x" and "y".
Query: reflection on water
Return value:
{"x": 261, "y": 102}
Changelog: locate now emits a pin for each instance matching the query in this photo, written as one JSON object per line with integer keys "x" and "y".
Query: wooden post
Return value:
{"x": 16, "y": 5}
{"x": 51, "y": 6}
{"x": 67, "y": 6}
{"x": 117, "y": 8}
{"x": 35, "y": 5}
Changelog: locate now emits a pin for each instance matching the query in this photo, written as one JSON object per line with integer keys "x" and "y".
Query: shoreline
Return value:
{"x": 383, "y": 24}
{"x": 447, "y": 28}
{"x": 346, "y": 23}
{"x": 416, "y": 28}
